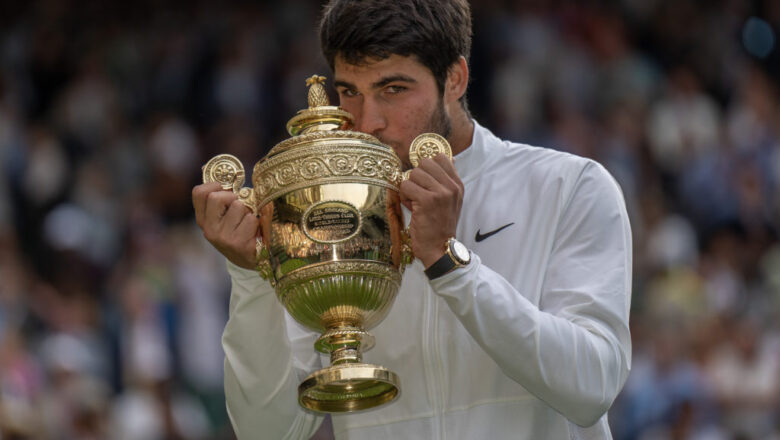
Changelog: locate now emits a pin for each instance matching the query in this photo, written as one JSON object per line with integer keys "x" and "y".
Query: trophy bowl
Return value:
{"x": 333, "y": 241}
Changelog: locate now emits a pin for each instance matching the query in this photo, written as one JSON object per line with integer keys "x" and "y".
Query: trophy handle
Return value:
{"x": 229, "y": 172}
{"x": 263, "y": 258}
{"x": 407, "y": 256}
{"x": 426, "y": 145}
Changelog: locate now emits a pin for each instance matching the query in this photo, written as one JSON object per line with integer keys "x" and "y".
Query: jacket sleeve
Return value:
{"x": 267, "y": 354}
{"x": 573, "y": 350}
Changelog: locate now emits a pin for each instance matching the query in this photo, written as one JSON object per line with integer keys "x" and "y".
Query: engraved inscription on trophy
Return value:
{"x": 331, "y": 222}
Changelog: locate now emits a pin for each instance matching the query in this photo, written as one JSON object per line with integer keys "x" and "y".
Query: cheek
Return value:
{"x": 411, "y": 119}
{"x": 406, "y": 126}
{"x": 349, "y": 107}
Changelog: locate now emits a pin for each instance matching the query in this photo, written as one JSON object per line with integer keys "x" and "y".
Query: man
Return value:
{"x": 526, "y": 336}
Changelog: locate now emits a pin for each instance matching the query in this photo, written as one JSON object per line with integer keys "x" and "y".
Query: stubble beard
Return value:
{"x": 439, "y": 123}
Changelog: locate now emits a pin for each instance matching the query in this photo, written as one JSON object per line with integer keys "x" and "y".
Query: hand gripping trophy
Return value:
{"x": 333, "y": 241}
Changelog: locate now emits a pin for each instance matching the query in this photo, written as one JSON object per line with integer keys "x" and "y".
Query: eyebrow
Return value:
{"x": 378, "y": 84}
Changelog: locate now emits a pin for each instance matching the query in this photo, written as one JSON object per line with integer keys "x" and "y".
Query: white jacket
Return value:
{"x": 529, "y": 341}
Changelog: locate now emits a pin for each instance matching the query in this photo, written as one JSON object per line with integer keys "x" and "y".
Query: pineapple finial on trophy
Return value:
{"x": 320, "y": 116}
{"x": 317, "y": 95}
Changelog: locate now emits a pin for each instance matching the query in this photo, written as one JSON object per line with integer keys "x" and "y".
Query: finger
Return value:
{"x": 447, "y": 165}
{"x": 413, "y": 192}
{"x": 233, "y": 216}
{"x": 199, "y": 195}
{"x": 404, "y": 199}
{"x": 437, "y": 172}
{"x": 248, "y": 228}
{"x": 422, "y": 177}
{"x": 217, "y": 204}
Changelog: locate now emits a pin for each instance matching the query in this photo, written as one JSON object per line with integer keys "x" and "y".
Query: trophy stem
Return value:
{"x": 345, "y": 355}
{"x": 341, "y": 337}
{"x": 347, "y": 384}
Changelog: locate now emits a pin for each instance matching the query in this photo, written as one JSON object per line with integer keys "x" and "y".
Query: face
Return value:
{"x": 394, "y": 99}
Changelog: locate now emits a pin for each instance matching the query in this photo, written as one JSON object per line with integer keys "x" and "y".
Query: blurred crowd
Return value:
{"x": 112, "y": 304}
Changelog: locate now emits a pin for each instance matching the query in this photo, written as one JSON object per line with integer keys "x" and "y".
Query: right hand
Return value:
{"x": 434, "y": 195}
{"x": 228, "y": 224}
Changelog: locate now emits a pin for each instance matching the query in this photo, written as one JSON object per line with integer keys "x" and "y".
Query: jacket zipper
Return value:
{"x": 429, "y": 355}
{"x": 438, "y": 368}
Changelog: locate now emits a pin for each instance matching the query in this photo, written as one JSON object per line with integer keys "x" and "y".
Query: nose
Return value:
{"x": 370, "y": 118}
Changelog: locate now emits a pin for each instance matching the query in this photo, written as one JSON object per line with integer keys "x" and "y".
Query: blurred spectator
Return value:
{"x": 743, "y": 375}
{"x": 683, "y": 124}
{"x": 112, "y": 304}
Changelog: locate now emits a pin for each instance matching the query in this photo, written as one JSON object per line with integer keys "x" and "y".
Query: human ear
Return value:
{"x": 457, "y": 80}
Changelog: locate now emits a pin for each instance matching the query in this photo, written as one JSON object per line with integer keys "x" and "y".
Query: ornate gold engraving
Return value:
{"x": 341, "y": 267}
{"x": 306, "y": 139}
{"x": 225, "y": 169}
{"x": 325, "y": 163}
{"x": 428, "y": 145}
{"x": 228, "y": 171}
{"x": 263, "y": 262}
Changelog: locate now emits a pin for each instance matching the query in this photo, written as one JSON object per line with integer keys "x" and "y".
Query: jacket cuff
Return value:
{"x": 240, "y": 274}
{"x": 450, "y": 284}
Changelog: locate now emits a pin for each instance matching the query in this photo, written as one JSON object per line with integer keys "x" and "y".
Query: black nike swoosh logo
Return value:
{"x": 479, "y": 237}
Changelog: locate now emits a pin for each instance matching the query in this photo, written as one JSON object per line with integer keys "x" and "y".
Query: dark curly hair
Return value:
{"x": 436, "y": 32}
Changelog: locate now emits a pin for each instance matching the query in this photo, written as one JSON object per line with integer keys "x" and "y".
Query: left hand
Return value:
{"x": 434, "y": 194}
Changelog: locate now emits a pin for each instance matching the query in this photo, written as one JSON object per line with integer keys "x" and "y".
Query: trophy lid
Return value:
{"x": 323, "y": 148}
{"x": 320, "y": 116}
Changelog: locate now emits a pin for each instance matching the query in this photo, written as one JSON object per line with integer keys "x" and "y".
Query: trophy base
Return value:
{"x": 348, "y": 387}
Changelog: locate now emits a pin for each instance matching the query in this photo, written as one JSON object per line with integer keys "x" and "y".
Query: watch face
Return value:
{"x": 460, "y": 251}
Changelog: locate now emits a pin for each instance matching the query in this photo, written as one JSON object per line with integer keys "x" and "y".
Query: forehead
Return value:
{"x": 371, "y": 70}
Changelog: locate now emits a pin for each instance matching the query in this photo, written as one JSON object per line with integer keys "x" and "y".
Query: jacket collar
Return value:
{"x": 470, "y": 161}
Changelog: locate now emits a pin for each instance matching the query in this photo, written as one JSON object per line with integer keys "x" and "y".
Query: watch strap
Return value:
{"x": 440, "y": 267}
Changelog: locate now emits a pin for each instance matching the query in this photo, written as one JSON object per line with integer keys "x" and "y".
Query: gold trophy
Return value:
{"x": 333, "y": 241}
